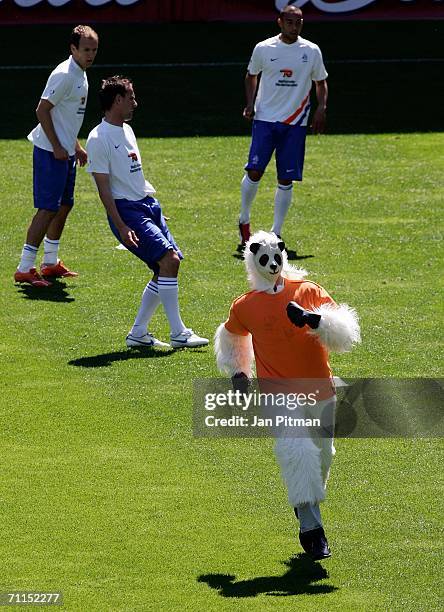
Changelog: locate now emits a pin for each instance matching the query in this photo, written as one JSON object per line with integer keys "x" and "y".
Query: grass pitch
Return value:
{"x": 107, "y": 497}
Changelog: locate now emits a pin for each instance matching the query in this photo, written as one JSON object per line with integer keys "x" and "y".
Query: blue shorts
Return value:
{"x": 145, "y": 218}
{"x": 54, "y": 180}
{"x": 287, "y": 140}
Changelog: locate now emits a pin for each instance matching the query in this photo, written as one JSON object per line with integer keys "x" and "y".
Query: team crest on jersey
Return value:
{"x": 136, "y": 166}
{"x": 305, "y": 58}
{"x": 286, "y": 72}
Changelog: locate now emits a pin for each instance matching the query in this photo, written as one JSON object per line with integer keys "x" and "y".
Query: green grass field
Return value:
{"x": 105, "y": 494}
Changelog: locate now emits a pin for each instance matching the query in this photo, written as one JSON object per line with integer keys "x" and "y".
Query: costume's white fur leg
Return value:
{"x": 338, "y": 328}
{"x": 234, "y": 353}
{"x": 300, "y": 462}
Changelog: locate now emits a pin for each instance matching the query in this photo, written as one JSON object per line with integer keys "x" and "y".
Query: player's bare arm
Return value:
{"x": 250, "y": 95}
{"x": 43, "y": 112}
{"x": 127, "y": 235}
{"x": 320, "y": 117}
{"x": 81, "y": 154}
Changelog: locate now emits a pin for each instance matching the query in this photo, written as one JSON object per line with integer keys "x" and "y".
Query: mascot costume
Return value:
{"x": 287, "y": 326}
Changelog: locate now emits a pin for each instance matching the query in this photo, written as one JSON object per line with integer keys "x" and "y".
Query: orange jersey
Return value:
{"x": 281, "y": 349}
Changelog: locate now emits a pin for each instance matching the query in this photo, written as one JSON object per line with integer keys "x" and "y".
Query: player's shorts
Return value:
{"x": 145, "y": 218}
{"x": 54, "y": 180}
{"x": 287, "y": 140}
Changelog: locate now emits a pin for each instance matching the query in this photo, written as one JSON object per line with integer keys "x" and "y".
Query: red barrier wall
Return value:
{"x": 127, "y": 11}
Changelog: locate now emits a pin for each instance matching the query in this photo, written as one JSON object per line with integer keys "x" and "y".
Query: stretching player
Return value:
{"x": 135, "y": 216}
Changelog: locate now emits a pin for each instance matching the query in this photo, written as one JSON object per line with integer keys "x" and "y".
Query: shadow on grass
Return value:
{"x": 106, "y": 359}
{"x": 293, "y": 256}
{"x": 57, "y": 292}
{"x": 298, "y": 580}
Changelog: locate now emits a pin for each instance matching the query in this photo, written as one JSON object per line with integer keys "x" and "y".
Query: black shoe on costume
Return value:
{"x": 315, "y": 544}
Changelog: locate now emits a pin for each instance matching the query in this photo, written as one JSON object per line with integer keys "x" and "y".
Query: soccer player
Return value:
{"x": 135, "y": 216}
{"x": 287, "y": 65}
{"x": 60, "y": 112}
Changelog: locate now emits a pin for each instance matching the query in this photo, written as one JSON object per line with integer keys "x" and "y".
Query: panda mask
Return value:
{"x": 264, "y": 259}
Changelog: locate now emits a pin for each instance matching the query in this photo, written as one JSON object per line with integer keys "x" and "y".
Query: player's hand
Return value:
{"x": 240, "y": 382}
{"x": 300, "y": 317}
{"x": 81, "y": 156}
{"x": 60, "y": 153}
{"x": 248, "y": 113}
{"x": 319, "y": 121}
{"x": 129, "y": 237}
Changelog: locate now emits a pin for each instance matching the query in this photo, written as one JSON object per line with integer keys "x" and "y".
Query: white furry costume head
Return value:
{"x": 266, "y": 260}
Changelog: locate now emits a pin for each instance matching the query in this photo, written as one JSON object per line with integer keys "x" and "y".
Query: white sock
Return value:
{"x": 282, "y": 201}
{"x": 51, "y": 250}
{"x": 169, "y": 296}
{"x": 248, "y": 193}
{"x": 150, "y": 301}
{"x": 27, "y": 261}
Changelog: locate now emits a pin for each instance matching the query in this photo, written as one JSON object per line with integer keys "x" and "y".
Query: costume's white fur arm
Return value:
{"x": 338, "y": 328}
{"x": 234, "y": 353}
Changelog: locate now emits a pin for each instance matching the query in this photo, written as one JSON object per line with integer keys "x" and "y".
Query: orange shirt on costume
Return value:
{"x": 281, "y": 349}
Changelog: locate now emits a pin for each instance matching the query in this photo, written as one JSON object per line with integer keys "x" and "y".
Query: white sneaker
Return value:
{"x": 187, "y": 338}
{"x": 146, "y": 340}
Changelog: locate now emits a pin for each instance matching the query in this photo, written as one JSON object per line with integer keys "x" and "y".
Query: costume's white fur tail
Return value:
{"x": 328, "y": 451}
{"x": 338, "y": 328}
{"x": 300, "y": 462}
{"x": 234, "y": 353}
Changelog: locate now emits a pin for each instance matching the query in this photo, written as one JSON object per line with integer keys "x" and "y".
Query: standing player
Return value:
{"x": 56, "y": 151}
{"x": 135, "y": 217}
{"x": 287, "y": 65}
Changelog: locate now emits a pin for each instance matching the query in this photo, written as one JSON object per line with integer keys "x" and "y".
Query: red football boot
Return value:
{"x": 244, "y": 234}
{"x": 58, "y": 270}
{"x": 32, "y": 277}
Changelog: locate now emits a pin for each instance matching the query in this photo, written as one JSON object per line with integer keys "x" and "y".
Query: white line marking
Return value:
{"x": 397, "y": 60}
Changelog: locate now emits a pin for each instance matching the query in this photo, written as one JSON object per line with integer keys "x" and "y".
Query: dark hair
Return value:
{"x": 78, "y": 32}
{"x": 110, "y": 88}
